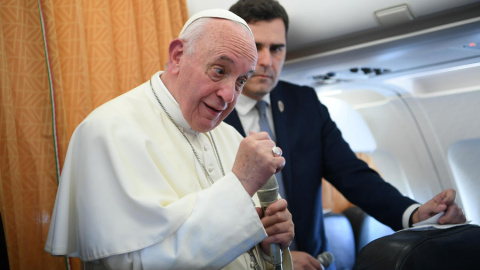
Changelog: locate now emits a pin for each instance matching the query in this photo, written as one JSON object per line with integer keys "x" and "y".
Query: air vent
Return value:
{"x": 352, "y": 74}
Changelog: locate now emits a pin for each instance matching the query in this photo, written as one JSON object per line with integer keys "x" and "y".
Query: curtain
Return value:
{"x": 58, "y": 61}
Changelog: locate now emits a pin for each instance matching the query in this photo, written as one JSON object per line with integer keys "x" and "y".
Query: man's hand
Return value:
{"x": 443, "y": 202}
{"x": 304, "y": 261}
{"x": 278, "y": 224}
{"x": 255, "y": 162}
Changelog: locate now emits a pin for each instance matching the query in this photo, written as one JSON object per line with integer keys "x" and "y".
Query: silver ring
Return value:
{"x": 277, "y": 152}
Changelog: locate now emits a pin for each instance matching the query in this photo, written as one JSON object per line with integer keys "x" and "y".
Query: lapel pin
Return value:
{"x": 281, "y": 106}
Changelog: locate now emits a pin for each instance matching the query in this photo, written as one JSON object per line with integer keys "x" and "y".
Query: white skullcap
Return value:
{"x": 215, "y": 13}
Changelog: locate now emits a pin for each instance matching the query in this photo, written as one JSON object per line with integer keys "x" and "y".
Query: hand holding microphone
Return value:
{"x": 257, "y": 160}
{"x": 325, "y": 259}
{"x": 267, "y": 195}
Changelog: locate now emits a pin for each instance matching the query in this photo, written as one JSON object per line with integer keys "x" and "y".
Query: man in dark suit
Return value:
{"x": 313, "y": 145}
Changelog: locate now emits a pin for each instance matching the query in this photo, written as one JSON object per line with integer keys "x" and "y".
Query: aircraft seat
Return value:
{"x": 341, "y": 240}
{"x": 365, "y": 227}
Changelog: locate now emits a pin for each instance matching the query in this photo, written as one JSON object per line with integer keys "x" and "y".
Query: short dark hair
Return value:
{"x": 253, "y": 11}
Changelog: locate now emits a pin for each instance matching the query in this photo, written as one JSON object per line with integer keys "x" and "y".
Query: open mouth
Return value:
{"x": 213, "y": 109}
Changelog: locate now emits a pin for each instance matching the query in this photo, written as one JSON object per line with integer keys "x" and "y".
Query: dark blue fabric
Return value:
{"x": 314, "y": 148}
{"x": 341, "y": 240}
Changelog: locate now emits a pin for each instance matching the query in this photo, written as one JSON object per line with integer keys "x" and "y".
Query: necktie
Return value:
{"x": 263, "y": 120}
{"x": 265, "y": 126}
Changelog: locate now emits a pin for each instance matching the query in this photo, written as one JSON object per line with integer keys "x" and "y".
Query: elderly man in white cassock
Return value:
{"x": 153, "y": 179}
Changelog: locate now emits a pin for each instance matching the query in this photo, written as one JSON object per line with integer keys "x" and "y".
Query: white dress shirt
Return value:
{"x": 249, "y": 115}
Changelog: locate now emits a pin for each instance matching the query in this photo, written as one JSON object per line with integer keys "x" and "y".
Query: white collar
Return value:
{"x": 246, "y": 104}
{"x": 171, "y": 105}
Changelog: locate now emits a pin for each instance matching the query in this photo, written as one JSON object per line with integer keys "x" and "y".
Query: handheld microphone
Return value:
{"x": 267, "y": 195}
{"x": 325, "y": 258}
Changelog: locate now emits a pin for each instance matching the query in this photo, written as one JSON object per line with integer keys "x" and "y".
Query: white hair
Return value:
{"x": 196, "y": 30}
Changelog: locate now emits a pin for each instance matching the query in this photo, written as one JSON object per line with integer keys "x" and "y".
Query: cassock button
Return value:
{"x": 252, "y": 265}
{"x": 205, "y": 148}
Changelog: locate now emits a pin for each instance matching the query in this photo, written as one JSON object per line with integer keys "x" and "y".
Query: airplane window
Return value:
{"x": 464, "y": 157}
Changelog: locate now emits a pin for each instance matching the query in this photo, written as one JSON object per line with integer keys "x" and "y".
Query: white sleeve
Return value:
{"x": 408, "y": 212}
{"x": 233, "y": 228}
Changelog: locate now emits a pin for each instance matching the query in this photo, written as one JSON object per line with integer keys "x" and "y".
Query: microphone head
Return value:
{"x": 269, "y": 192}
{"x": 325, "y": 258}
{"x": 270, "y": 184}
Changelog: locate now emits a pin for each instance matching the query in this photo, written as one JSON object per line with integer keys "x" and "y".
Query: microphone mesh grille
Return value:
{"x": 269, "y": 191}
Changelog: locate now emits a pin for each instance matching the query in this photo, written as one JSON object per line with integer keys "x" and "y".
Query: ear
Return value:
{"x": 175, "y": 53}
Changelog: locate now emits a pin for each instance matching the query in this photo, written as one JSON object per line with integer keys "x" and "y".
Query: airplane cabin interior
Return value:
{"x": 402, "y": 82}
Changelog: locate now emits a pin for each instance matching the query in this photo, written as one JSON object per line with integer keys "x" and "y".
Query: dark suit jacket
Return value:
{"x": 313, "y": 148}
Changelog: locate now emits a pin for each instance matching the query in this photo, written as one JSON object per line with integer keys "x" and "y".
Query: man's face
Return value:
{"x": 271, "y": 47}
{"x": 213, "y": 76}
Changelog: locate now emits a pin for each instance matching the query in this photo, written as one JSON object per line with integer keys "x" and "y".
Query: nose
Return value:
{"x": 227, "y": 92}
{"x": 264, "y": 57}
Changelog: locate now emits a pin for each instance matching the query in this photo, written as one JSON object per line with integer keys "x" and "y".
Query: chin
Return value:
{"x": 207, "y": 127}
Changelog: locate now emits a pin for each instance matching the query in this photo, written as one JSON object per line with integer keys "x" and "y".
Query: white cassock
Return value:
{"x": 132, "y": 194}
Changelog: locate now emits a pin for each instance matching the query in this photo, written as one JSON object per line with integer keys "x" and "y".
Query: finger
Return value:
{"x": 449, "y": 196}
{"x": 283, "y": 239}
{"x": 274, "y": 219}
{"x": 437, "y": 204}
{"x": 445, "y": 197}
{"x": 265, "y": 145}
{"x": 279, "y": 205}
{"x": 262, "y": 135}
{"x": 441, "y": 202}
{"x": 429, "y": 209}
{"x": 315, "y": 262}
{"x": 277, "y": 151}
{"x": 450, "y": 214}
{"x": 279, "y": 224}
{"x": 302, "y": 260}
{"x": 453, "y": 215}
{"x": 279, "y": 163}
{"x": 276, "y": 213}
{"x": 279, "y": 233}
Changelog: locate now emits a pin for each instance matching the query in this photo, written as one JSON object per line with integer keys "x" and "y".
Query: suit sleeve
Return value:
{"x": 355, "y": 180}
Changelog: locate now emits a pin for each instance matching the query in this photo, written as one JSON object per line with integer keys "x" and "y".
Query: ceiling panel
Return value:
{"x": 313, "y": 21}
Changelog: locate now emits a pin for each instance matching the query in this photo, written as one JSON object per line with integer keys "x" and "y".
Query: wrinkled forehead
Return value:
{"x": 216, "y": 13}
{"x": 227, "y": 46}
